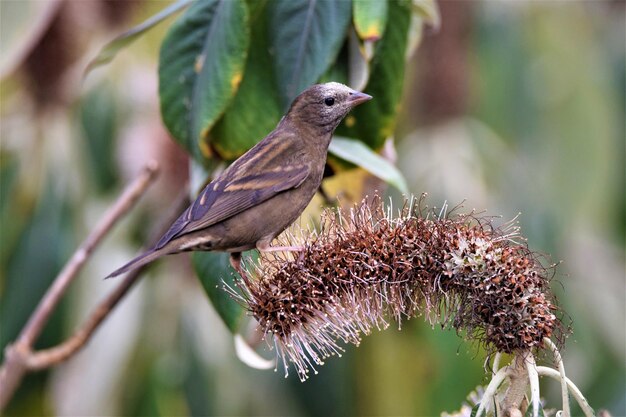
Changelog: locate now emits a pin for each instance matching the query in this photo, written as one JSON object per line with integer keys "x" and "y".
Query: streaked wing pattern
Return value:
{"x": 222, "y": 199}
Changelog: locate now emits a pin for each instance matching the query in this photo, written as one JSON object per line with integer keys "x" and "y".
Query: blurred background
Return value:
{"x": 510, "y": 107}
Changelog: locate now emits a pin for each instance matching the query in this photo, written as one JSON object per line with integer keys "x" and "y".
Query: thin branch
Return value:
{"x": 48, "y": 357}
{"x": 491, "y": 390}
{"x": 561, "y": 368}
{"x": 533, "y": 378}
{"x": 124, "y": 203}
{"x": 496, "y": 363}
{"x": 573, "y": 389}
{"x": 18, "y": 356}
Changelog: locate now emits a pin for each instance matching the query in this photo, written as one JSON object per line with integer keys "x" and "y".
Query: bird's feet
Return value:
{"x": 265, "y": 247}
{"x": 235, "y": 262}
{"x": 235, "y": 257}
{"x": 269, "y": 248}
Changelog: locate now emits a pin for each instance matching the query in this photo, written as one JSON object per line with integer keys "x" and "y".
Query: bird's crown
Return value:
{"x": 325, "y": 105}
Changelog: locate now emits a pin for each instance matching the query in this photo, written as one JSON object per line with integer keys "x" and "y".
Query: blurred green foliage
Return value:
{"x": 34, "y": 259}
{"x": 213, "y": 269}
{"x": 99, "y": 121}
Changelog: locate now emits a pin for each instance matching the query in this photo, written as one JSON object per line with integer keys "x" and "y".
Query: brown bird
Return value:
{"x": 267, "y": 188}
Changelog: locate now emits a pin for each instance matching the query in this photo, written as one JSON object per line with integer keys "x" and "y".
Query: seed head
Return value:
{"x": 362, "y": 269}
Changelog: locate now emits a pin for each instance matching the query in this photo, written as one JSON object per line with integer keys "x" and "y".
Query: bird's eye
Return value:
{"x": 329, "y": 101}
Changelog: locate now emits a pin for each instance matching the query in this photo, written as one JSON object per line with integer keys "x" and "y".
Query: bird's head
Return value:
{"x": 325, "y": 105}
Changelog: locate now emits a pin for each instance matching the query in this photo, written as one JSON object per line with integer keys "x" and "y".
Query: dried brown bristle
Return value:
{"x": 361, "y": 269}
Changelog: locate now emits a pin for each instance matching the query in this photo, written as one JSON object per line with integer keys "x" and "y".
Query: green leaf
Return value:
{"x": 200, "y": 68}
{"x": 305, "y": 36}
{"x": 213, "y": 269}
{"x": 99, "y": 119}
{"x": 200, "y": 393}
{"x": 359, "y": 154}
{"x": 110, "y": 50}
{"x": 256, "y": 109}
{"x": 351, "y": 66}
{"x": 370, "y": 18}
{"x": 256, "y": 8}
{"x": 374, "y": 122}
{"x": 33, "y": 263}
{"x": 13, "y": 210}
{"x": 339, "y": 71}
{"x": 475, "y": 410}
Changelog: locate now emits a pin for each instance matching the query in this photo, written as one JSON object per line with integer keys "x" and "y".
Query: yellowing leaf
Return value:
{"x": 370, "y": 18}
{"x": 202, "y": 58}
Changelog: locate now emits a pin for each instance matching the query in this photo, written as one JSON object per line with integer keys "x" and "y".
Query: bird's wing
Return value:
{"x": 233, "y": 194}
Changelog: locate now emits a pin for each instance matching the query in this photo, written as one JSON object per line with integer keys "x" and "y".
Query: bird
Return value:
{"x": 266, "y": 189}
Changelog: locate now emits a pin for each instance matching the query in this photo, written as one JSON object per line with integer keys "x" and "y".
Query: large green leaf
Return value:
{"x": 33, "y": 263}
{"x": 359, "y": 154}
{"x": 256, "y": 108}
{"x": 13, "y": 211}
{"x": 340, "y": 68}
{"x": 110, "y": 50}
{"x": 256, "y": 8}
{"x": 99, "y": 120}
{"x": 213, "y": 269}
{"x": 375, "y": 122}
{"x": 305, "y": 37}
{"x": 351, "y": 66}
{"x": 370, "y": 18}
{"x": 200, "y": 68}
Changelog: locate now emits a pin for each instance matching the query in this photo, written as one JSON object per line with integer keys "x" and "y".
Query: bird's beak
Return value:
{"x": 357, "y": 98}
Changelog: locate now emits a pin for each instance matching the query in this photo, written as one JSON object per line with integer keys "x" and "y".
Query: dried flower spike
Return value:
{"x": 361, "y": 269}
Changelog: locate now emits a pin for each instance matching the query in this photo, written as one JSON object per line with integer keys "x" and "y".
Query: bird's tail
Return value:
{"x": 141, "y": 260}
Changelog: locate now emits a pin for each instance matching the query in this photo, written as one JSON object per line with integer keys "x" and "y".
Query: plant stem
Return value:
{"x": 573, "y": 389}
{"x": 561, "y": 368}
